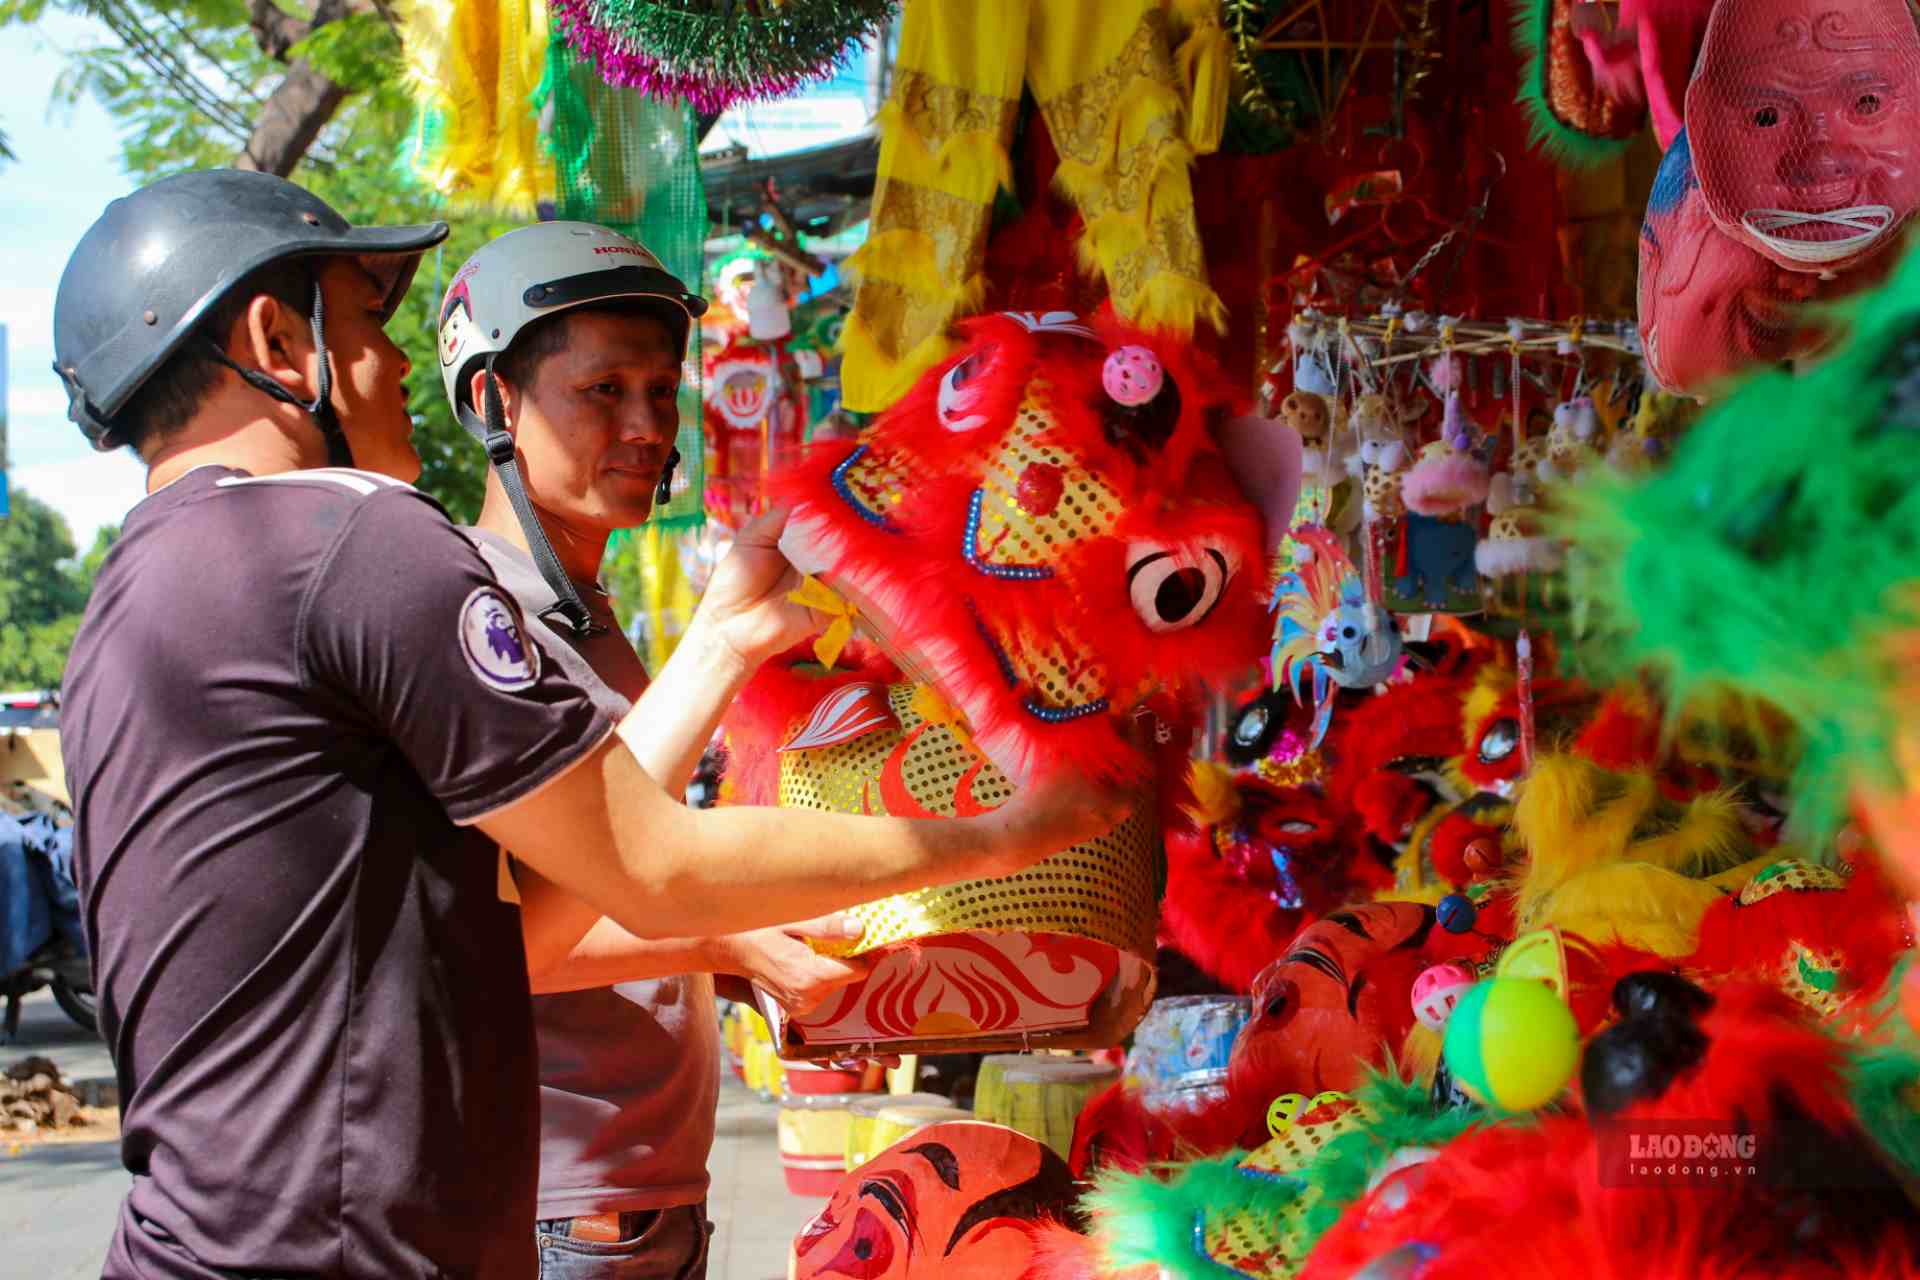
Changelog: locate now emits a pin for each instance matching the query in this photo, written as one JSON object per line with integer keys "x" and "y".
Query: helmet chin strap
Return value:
{"x": 567, "y": 604}
{"x": 320, "y": 408}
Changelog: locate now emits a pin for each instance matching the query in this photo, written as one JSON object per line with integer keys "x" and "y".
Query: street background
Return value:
{"x": 58, "y": 1200}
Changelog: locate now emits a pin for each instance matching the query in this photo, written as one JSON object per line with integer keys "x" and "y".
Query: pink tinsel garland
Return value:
{"x": 620, "y": 65}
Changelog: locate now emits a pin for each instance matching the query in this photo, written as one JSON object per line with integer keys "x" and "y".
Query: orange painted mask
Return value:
{"x": 955, "y": 1199}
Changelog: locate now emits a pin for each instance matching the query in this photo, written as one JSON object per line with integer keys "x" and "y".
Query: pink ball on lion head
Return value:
{"x": 1132, "y": 376}
{"x": 1437, "y": 990}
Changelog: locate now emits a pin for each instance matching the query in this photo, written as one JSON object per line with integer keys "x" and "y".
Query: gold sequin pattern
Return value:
{"x": 874, "y": 480}
{"x": 1058, "y": 667}
{"x": 1275, "y": 1247}
{"x": 1790, "y": 876}
{"x": 1012, "y": 535}
{"x": 1060, "y": 670}
{"x": 1103, "y": 890}
{"x": 1817, "y": 979}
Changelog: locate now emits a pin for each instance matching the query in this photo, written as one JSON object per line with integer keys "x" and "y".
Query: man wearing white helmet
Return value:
{"x": 301, "y": 720}
{"x": 588, "y": 395}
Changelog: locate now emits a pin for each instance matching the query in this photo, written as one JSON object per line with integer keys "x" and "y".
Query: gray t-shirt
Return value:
{"x": 630, "y": 1074}
{"x": 289, "y": 699}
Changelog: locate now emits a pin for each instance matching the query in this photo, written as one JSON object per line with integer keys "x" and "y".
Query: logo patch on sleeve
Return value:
{"x": 493, "y": 642}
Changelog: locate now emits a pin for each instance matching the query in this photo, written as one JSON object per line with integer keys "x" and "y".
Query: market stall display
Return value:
{"x": 1453, "y": 463}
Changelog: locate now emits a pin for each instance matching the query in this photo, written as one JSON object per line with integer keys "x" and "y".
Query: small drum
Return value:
{"x": 813, "y": 1140}
{"x": 989, "y": 1081}
{"x": 900, "y": 1120}
{"x": 1043, "y": 1099}
{"x": 821, "y": 1077}
{"x": 865, "y": 1113}
{"x": 1180, "y": 1050}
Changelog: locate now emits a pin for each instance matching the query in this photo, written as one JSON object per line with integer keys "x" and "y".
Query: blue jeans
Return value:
{"x": 667, "y": 1244}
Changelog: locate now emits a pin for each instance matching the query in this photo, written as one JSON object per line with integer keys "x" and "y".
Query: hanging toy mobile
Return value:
{"x": 715, "y": 53}
{"x": 1327, "y": 631}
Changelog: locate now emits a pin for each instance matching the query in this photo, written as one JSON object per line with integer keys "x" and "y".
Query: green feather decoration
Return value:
{"x": 1884, "y": 1078}
{"x": 1777, "y": 557}
{"x": 1405, "y": 1117}
{"x": 1576, "y": 149}
{"x": 1142, "y": 1220}
{"x": 1885, "y": 1085}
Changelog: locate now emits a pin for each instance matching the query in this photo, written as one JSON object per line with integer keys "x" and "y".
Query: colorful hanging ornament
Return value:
{"x": 715, "y": 53}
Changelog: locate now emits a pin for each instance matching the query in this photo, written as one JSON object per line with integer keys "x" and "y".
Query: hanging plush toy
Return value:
{"x": 1050, "y": 535}
{"x": 1327, "y": 632}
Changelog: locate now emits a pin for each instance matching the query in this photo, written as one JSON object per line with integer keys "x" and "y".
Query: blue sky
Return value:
{"x": 68, "y": 169}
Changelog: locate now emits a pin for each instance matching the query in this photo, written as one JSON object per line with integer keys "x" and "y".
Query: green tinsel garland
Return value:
{"x": 1779, "y": 555}
{"x": 736, "y": 41}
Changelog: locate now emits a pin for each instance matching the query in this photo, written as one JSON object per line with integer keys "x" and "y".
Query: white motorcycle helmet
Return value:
{"x": 509, "y": 283}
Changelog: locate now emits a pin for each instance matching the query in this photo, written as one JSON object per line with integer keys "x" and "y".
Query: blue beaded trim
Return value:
{"x": 970, "y": 548}
{"x": 1058, "y": 715}
{"x": 1007, "y": 672}
{"x": 841, "y": 487}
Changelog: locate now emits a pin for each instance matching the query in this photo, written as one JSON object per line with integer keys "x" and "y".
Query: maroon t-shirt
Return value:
{"x": 288, "y": 694}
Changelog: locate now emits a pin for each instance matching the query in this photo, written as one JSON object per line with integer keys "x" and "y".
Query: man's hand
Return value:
{"x": 745, "y": 607}
{"x": 779, "y": 960}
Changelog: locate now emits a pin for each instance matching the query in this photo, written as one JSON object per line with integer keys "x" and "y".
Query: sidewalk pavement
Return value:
{"x": 58, "y": 1202}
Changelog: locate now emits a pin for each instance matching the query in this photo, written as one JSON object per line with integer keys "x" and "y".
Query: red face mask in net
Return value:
{"x": 1804, "y": 117}
{"x": 1711, "y": 305}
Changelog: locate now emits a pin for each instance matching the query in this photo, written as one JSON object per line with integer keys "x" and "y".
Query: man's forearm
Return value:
{"x": 609, "y": 954}
{"x": 674, "y": 719}
{"x": 607, "y": 833}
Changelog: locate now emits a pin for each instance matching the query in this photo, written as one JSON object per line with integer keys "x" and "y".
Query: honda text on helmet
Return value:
{"x": 156, "y": 262}
{"x": 508, "y": 284}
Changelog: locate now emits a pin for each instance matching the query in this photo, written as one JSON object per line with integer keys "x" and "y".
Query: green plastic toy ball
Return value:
{"x": 1512, "y": 1043}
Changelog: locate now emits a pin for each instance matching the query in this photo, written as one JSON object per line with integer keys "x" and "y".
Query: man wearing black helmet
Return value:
{"x": 301, "y": 717}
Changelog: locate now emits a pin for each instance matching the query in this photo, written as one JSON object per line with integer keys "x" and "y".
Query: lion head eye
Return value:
{"x": 961, "y": 390}
{"x": 1172, "y": 589}
{"x": 1498, "y": 742}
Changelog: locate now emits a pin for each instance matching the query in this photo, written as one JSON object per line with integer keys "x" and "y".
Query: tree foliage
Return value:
{"x": 189, "y": 82}
{"x": 43, "y": 588}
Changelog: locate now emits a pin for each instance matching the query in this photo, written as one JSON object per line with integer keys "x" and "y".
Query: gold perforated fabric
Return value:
{"x": 1012, "y": 535}
{"x": 1104, "y": 890}
{"x": 1275, "y": 1246}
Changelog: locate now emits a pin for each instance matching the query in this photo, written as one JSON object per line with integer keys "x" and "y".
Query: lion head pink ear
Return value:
{"x": 1264, "y": 456}
{"x": 1132, "y": 376}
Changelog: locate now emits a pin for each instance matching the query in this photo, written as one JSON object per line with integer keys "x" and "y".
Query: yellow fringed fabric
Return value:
{"x": 1206, "y": 68}
{"x": 669, "y": 598}
{"x": 1116, "y": 101}
{"x": 473, "y": 65}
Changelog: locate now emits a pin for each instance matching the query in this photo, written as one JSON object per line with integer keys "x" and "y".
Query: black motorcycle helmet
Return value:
{"x": 149, "y": 270}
